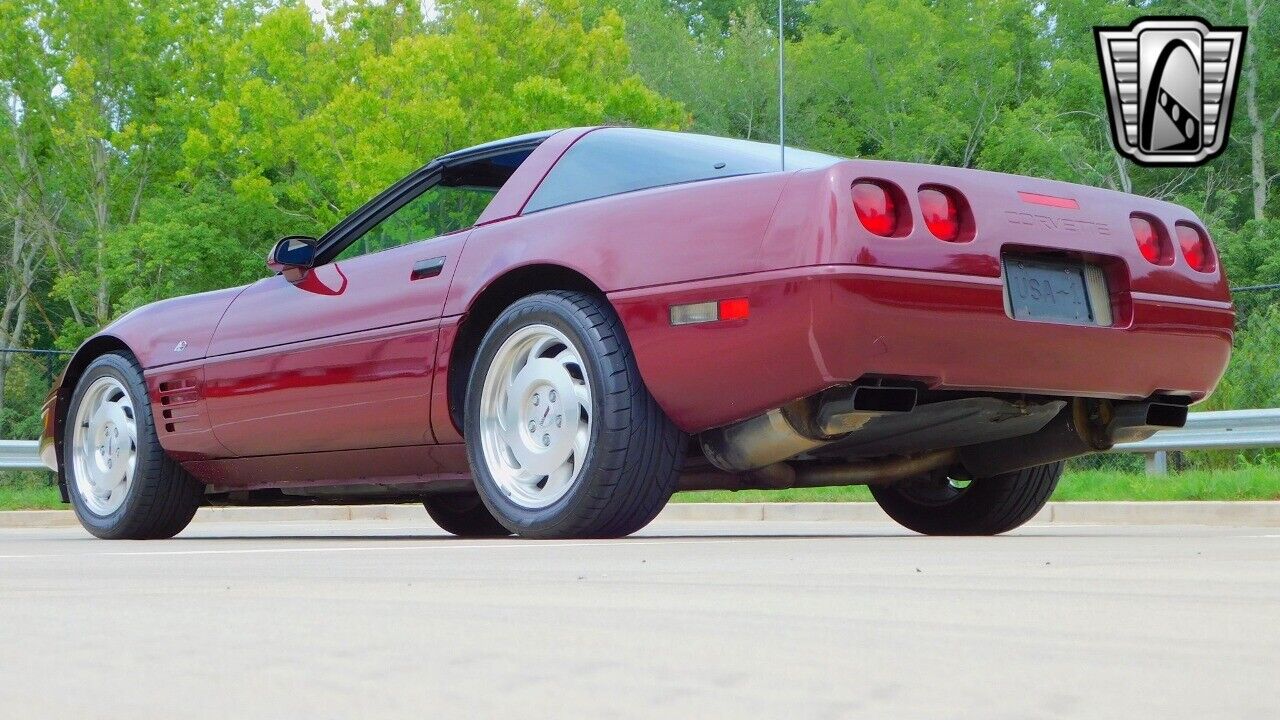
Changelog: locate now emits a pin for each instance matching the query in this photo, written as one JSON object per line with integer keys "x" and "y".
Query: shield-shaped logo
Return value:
{"x": 1171, "y": 85}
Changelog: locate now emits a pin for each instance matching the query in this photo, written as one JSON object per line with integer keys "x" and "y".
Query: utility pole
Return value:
{"x": 782, "y": 111}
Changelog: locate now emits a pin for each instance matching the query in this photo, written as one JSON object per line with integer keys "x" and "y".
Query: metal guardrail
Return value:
{"x": 20, "y": 455}
{"x": 1216, "y": 430}
{"x": 1219, "y": 430}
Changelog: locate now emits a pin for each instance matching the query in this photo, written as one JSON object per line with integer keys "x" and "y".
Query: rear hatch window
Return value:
{"x": 611, "y": 161}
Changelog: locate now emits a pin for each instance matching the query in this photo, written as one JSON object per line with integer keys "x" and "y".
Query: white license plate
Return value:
{"x": 1053, "y": 291}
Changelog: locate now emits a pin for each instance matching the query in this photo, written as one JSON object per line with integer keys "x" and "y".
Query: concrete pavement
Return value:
{"x": 688, "y": 620}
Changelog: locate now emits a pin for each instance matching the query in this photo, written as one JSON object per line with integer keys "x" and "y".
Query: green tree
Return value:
{"x": 727, "y": 79}
{"x": 912, "y": 80}
{"x": 711, "y": 17}
{"x": 313, "y": 123}
{"x": 28, "y": 213}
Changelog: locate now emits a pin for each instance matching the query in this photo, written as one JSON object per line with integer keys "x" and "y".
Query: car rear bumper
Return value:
{"x": 814, "y": 327}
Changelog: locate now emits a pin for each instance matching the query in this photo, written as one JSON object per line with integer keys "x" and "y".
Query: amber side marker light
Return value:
{"x": 713, "y": 311}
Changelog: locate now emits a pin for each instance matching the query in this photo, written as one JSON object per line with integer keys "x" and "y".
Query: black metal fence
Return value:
{"x": 28, "y": 374}
{"x": 51, "y": 360}
{"x": 1250, "y": 299}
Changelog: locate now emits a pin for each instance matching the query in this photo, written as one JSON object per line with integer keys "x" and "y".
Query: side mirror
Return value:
{"x": 292, "y": 255}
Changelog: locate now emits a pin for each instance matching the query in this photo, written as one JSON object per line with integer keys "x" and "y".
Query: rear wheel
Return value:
{"x": 563, "y": 438}
{"x": 121, "y": 483}
{"x": 939, "y": 505}
{"x": 464, "y": 515}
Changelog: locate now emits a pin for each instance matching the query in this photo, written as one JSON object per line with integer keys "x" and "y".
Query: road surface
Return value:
{"x": 688, "y": 620}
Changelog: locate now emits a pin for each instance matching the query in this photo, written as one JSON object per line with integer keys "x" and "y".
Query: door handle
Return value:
{"x": 427, "y": 268}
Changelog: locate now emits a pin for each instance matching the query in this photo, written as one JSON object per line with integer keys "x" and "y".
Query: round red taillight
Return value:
{"x": 1148, "y": 238}
{"x": 941, "y": 213}
{"x": 1195, "y": 247}
{"x": 875, "y": 207}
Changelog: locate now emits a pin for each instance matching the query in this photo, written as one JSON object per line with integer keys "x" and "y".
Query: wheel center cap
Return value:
{"x": 544, "y": 415}
{"x": 542, "y": 395}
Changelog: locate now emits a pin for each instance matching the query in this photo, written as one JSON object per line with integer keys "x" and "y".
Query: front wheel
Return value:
{"x": 940, "y": 505}
{"x": 563, "y": 438}
{"x": 121, "y": 483}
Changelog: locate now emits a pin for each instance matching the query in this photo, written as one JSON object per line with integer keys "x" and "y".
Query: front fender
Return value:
{"x": 171, "y": 331}
{"x": 162, "y": 333}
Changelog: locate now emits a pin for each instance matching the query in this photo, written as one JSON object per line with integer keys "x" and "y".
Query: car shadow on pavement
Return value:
{"x": 635, "y": 540}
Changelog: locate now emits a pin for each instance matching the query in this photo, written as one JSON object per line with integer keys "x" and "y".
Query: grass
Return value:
{"x": 30, "y": 490}
{"x": 1252, "y": 483}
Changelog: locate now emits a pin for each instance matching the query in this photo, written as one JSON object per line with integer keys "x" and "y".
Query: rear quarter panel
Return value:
{"x": 663, "y": 235}
{"x": 659, "y": 236}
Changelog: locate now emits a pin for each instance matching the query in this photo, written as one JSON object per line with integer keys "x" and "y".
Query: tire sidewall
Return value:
{"x": 971, "y": 512}
{"x": 540, "y": 309}
{"x": 108, "y": 526}
{"x": 464, "y": 515}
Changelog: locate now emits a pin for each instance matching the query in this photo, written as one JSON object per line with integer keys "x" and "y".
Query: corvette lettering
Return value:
{"x": 1071, "y": 225}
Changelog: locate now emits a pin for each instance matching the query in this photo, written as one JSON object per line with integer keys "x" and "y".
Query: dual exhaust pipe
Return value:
{"x": 753, "y": 453}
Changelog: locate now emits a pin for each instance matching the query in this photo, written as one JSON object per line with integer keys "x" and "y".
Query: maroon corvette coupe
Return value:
{"x": 551, "y": 334}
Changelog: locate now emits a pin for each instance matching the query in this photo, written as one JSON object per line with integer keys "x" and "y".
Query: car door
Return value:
{"x": 340, "y": 356}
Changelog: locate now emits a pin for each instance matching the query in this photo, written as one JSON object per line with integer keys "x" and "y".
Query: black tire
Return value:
{"x": 988, "y": 506}
{"x": 464, "y": 515}
{"x": 161, "y": 498}
{"x": 634, "y": 452}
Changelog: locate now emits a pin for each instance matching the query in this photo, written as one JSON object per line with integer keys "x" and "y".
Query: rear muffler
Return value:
{"x": 801, "y": 426}
{"x": 1085, "y": 426}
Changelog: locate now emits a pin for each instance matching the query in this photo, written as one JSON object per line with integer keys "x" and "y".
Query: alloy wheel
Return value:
{"x": 104, "y": 446}
{"x": 536, "y": 416}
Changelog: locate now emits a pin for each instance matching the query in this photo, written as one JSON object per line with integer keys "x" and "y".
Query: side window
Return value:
{"x": 441, "y": 209}
{"x": 611, "y": 161}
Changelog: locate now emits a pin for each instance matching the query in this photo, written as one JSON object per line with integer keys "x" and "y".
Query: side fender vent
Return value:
{"x": 178, "y": 402}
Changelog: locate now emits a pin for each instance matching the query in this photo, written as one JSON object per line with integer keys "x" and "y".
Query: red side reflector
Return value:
{"x": 875, "y": 208}
{"x": 735, "y": 309}
{"x": 710, "y": 311}
{"x": 1051, "y": 201}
